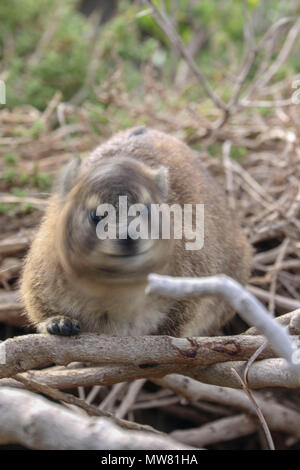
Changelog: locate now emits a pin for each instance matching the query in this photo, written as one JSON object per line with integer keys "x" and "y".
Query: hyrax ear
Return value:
{"x": 69, "y": 175}
{"x": 162, "y": 180}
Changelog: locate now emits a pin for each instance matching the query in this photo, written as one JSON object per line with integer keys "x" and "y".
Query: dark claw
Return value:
{"x": 63, "y": 326}
{"x": 52, "y": 328}
{"x": 66, "y": 329}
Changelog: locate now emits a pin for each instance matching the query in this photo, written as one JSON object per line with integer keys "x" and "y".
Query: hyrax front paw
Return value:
{"x": 60, "y": 325}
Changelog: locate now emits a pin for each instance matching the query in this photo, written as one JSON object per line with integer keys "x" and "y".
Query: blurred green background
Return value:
{"x": 47, "y": 45}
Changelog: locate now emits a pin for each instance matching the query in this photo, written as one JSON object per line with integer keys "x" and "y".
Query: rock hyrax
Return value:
{"x": 73, "y": 281}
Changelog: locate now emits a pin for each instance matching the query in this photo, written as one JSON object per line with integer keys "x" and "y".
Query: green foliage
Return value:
{"x": 47, "y": 45}
{"x": 215, "y": 150}
{"x": 52, "y": 48}
{"x": 238, "y": 152}
{"x": 41, "y": 180}
{"x": 6, "y": 208}
{"x": 11, "y": 175}
{"x": 17, "y": 208}
{"x": 39, "y": 67}
{"x": 11, "y": 158}
{"x": 18, "y": 192}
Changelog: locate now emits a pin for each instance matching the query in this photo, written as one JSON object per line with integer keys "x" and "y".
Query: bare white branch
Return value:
{"x": 37, "y": 423}
{"x": 249, "y": 308}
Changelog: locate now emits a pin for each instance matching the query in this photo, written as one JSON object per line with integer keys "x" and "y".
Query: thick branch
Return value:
{"x": 36, "y": 423}
{"x": 266, "y": 373}
{"x": 92, "y": 410}
{"x": 30, "y": 351}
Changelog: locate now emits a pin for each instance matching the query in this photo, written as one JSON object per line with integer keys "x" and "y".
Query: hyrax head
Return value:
{"x": 105, "y": 229}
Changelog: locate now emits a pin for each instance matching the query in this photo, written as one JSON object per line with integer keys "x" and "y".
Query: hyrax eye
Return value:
{"x": 94, "y": 218}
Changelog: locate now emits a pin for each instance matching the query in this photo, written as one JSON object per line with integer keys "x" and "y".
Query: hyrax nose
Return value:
{"x": 128, "y": 244}
{"x": 128, "y": 241}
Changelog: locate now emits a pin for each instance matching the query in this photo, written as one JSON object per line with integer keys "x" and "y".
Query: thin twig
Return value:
{"x": 258, "y": 411}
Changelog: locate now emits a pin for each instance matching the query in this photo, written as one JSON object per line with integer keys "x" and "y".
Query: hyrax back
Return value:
{"x": 73, "y": 281}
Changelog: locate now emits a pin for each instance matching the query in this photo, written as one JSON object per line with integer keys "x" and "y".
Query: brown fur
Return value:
{"x": 64, "y": 275}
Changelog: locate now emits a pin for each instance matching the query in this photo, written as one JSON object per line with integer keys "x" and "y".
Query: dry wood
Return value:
{"x": 91, "y": 410}
{"x": 37, "y": 423}
{"x": 220, "y": 430}
{"x": 147, "y": 352}
{"x": 16, "y": 243}
{"x": 265, "y": 373}
{"x": 277, "y": 416}
{"x": 287, "y": 303}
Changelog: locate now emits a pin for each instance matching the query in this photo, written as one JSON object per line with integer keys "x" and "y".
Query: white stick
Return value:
{"x": 249, "y": 308}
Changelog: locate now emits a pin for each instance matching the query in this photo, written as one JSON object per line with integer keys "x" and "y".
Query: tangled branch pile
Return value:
{"x": 146, "y": 391}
